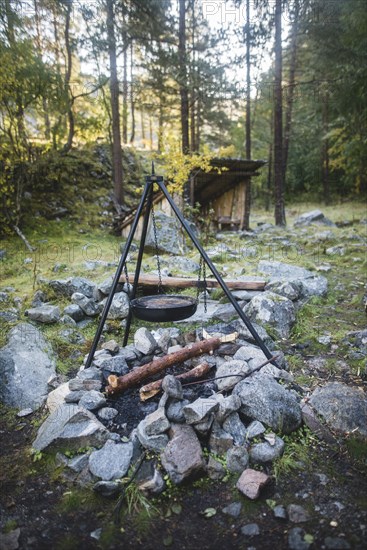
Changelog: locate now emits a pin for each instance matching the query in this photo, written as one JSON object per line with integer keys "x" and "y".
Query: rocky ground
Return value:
{"x": 277, "y": 459}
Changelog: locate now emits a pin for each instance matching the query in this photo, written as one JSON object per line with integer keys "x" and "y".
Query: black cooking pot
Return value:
{"x": 163, "y": 307}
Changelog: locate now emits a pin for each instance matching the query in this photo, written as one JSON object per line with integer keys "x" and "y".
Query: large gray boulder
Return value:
{"x": 343, "y": 408}
{"x": 183, "y": 455}
{"x": 44, "y": 314}
{"x": 112, "y": 461}
{"x": 273, "y": 310}
{"x": 70, "y": 427}
{"x": 265, "y": 400}
{"x": 314, "y": 216}
{"x": 307, "y": 283}
{"x": 169, "y": 236}
{"x": 26, "y": 364}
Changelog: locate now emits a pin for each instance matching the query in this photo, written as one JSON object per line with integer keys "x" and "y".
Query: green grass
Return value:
{"x": 297, "y": 454}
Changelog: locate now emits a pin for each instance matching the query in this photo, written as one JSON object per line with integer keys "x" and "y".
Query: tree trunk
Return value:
{"x": 124, "y": 87}
{"x": 142, "y": 126}
{"x": 132, "y": 91}
{"x": 247, "y": 208}
{"x": 291, "y": 89}
{"x": 39, "y": 52}
{"x": 150, "y": 390}
{"x": 160, "y": 125}
{"x": 278, "y": 122}
{"x": 187, "y": 282}
{"x": 183, "y": 78}
{"x": 325, "y": 150}
{"x": 115, "y": 109}
{"x": 68, "y": 93}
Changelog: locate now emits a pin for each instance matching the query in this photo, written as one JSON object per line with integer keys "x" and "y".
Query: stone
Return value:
{"x": 282, "y": 271}
{"x": 288, "y": 289}
{"x": 237, "y": 368}
{"x": 76, "y": 384}
{"x": 149, "y": 479}
{"x": 144, "y": 341}
{"x": 237, "y": 459}
{"x": 88, "y": 305}
{"x": 107, "y": 488}
{"x": 227, "y": 406}
{"x": 297, "y": 514}
{"x": 74, "y": 311}
{"x": 152, "y": 442}
{"x": 39, "y": 298}
{"x": 306, "y": 281}
{"x": 203, "y": 427}
{"x": 201, "y": 408}
{"x": 314, "y": 216}
{"x": 70, "y": 427}
{"x": 26, "y": 364}
{"x": 226, "y": 312}
{"x": 66, "y": 320}
{"x": 317, "y": 426}
{"x": 343, "y": 408}
{"x": 337, "y": 250}
{"x": 92, "y": 400}
{"x": 242, "y": 295}
{"x": 10, "y": 315}
{"x": 233, "y": 509}
{"x": 183, "y": 455}
{"x": 265, "y": 400}
{"x": 57, "y": 396}
{"x": 220, "y": 441}
{"x": 24, "y": 412}
{"x": 10, "y": 541}
{"x": 174, "y": 411}
{"x": 82, "y": 285}
{"x": 111, "y": 346}
{"x": 265, "y": 452}
{"x": 250, "y": 530}
{"x": 336, "y": 543}
{"x": 156, "y": 423}
{"x": 273, "y": 310}
{"x": 105, "y": 286}
{"x": 107, "y": 413}
{"x": 60, "y": 286}
{"x": 172, "y": 387}
{"x": 253, "y": 356}
{"x": 296, "y": 539}
{"x": 185, "y": 264}
{"x": 90, "y": 374}
{"x": 79, "y": 462}
{"x": 119, "y": 307}
{"x": 116, "y": 364}
{"x": 44, "y": 314}
{"x": 280, "y": 512}
{"x": 169, "y": 239}
{"x": 251, "y": 482}
{"x": 254, "y": 429}
{"x": 112, "y": 461}
{"x": 215, "y": 469}
{"x": 235, "y": 428}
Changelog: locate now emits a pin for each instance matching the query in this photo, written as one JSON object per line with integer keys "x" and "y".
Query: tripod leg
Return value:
{"x": 139, "y": 260}
{"x": 116, "y": 278}
{"x": 216, "y": 274}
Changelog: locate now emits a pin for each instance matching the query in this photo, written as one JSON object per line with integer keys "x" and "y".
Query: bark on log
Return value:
{"x": 118, "y": 384}
{"x": 186, "y": 282}
{"x": 150, "y": 390}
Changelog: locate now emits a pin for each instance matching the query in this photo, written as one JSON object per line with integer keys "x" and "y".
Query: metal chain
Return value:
{"x": 157, "y": 252}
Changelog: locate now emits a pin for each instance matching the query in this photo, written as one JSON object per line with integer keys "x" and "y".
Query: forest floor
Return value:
{"x": 329, "y": 481}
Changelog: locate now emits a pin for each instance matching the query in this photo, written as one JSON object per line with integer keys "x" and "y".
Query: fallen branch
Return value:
{"x": 24, "y": 238}
{"x": 186, "y": 282}
{"x": 150, "y": 390}
{"x": 118, "y": 384}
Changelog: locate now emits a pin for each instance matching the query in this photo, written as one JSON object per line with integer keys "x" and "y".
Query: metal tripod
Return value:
{"x": 147, "y": 201}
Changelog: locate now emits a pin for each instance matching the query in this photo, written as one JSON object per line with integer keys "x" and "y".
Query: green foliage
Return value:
{"x": 297, "y": 453}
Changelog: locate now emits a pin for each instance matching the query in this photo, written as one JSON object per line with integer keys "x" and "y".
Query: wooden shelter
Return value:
{"x": 222, "y": 191}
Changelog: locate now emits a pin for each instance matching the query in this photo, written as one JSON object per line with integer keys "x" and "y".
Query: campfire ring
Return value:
{"x": 160, "y": 308}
